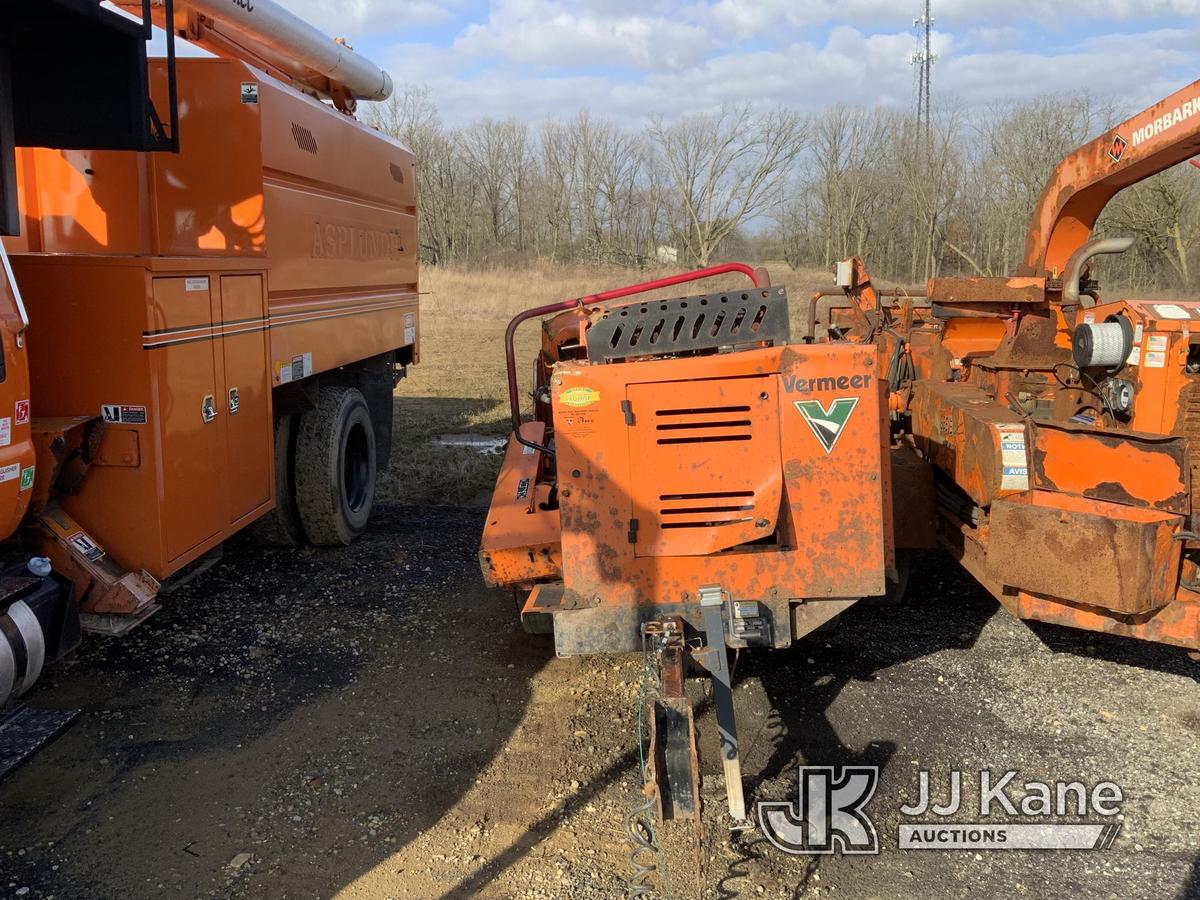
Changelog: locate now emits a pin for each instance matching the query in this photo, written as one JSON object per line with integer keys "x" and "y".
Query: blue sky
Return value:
{"x": 634, "y": 58}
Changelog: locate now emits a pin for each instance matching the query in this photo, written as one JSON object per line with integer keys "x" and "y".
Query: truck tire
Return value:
{"x": 335, "y": 467}
{"x": 281, "y": 526}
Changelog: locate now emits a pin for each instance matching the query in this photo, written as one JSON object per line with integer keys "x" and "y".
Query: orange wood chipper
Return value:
{"x": 691, "y": 481}
{"x": 1052, "y": 433}
{"x": 209, "y": 293}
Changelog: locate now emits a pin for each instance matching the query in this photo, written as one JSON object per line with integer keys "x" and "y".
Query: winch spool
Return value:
{"x": 1106, "y": 344}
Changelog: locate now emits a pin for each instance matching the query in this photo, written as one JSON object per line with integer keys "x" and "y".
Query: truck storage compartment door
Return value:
{"x": 704, "y": 464}
{"x": 192, "y": 456}
{"x": 246, "y": 399}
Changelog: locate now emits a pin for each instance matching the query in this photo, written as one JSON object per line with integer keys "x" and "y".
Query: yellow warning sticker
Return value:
{"x": 579, "y": 396}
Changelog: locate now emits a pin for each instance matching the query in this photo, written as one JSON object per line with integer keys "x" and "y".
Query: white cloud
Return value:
{"x": 849, "y": 66}
{"x": 358, "y": 18}
{"x": 540, "y": 32}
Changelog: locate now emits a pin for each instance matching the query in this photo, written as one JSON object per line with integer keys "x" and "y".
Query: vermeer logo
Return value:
{"x": 579, "y": 396}
{"x": 827, "y": 424}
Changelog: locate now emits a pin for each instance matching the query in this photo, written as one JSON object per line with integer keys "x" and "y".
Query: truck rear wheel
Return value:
{"x": 281, "y": 526}
{"x": 335, "y": 467}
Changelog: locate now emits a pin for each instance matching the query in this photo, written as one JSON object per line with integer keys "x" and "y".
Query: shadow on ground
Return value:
{"x": 315, "y": 710}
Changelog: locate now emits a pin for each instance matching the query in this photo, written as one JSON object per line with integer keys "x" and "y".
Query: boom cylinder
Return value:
{"x": 293, "y": 44}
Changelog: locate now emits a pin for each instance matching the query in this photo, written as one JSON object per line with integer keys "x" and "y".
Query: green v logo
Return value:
{"x": 827, "y": 424}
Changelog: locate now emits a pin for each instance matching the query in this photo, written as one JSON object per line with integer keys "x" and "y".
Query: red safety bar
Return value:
{"x": 758, "y": 278}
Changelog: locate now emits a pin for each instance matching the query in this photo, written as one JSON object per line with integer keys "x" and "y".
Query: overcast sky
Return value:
{"x": 632, "y": 58}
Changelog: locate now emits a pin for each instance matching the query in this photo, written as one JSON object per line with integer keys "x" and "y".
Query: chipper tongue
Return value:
{"x": 673, "y": 770}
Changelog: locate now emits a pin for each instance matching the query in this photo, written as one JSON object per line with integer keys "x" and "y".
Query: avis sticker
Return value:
{"x": 21, "y": 414}
{"x": 827, "y": 424}
{"x": 27, "y": 478}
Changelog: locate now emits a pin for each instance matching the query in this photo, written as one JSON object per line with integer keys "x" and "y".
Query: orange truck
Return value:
{"x": 208, "y": 295}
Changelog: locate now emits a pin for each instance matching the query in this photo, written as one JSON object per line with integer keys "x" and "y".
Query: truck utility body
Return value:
{"x": 210, "y": 294}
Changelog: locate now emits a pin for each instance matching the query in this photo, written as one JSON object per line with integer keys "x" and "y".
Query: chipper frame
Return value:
{"x": 690, "y": 482}
{"x": 1062, "y": 428}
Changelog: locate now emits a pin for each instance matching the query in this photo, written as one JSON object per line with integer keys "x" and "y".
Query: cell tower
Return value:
{"x": 922, "y": 58}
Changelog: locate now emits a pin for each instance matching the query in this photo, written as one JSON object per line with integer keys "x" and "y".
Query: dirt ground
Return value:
{"x": 372, "y": 723}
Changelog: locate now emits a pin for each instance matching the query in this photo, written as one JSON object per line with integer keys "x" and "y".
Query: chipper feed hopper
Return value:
{"x": 690, "y": 482}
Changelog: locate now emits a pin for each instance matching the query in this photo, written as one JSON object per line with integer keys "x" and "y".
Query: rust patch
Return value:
{"x": 1127, "y": 468}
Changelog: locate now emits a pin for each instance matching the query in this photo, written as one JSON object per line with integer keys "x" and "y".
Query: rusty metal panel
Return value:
{"x": 520, "y": 542}
{"x": 1019, "y": 289}
{"x": 705, "y": 466}
{"x": 978, "y": 442}
{"x": 833, "y": 536}
{"x": 1177, "y": 623}
{"x": 1121, "y": 558}
{"x": 1117, "y": 466}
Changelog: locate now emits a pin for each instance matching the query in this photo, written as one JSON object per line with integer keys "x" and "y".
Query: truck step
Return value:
{"x": 26, "y": 730}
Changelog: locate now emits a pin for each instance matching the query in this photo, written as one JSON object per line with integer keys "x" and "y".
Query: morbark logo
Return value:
{"x": 827, "y": 424}
{"x": 1117, "y": 149}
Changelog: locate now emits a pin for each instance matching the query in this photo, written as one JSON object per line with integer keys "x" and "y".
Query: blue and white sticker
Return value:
{"x": 1014, "y": 459}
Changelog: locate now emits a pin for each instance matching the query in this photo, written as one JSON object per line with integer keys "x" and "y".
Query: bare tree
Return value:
{"x": 726, "y": 169}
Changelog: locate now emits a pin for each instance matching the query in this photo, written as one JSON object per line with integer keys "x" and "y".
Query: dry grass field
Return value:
{"x": 459, "y": 384}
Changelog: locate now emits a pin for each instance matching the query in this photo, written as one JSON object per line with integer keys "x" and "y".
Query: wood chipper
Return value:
{"x": 1052, "y": 432}
{"x": 691, "y": 481}
{"x": 209, "y": 293}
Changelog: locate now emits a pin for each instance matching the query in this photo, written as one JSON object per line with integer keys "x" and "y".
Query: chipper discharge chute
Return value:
{"x": 690, "y": 482}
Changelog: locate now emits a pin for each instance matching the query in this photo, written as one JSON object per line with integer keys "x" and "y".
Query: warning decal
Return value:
{"x": 27, "y": 478}
{"x": 5, "y": 431}
{"x": 10, "y": 473}
{"x": 122, "y": 414}
{"x": 298, "y": 367}
{"x": 22, "y": 412}
{"x": 84, "y": 545}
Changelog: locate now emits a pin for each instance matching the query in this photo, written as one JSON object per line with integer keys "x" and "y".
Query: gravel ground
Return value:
{"x": 371, "y": 723}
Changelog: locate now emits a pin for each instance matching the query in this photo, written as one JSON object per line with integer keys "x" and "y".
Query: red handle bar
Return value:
{"x": 758, "y": 278}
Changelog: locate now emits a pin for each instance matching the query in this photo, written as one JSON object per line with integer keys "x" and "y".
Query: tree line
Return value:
{"x": 951, "y": 198}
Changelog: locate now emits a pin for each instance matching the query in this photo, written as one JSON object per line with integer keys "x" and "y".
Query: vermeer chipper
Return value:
{"x": 691, "y": 482}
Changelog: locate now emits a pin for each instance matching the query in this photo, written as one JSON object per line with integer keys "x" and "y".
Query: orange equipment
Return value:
{"x": 1062, "y": 428}
{"x": 691, "y": 481}
{"x": 220, "y": 273}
